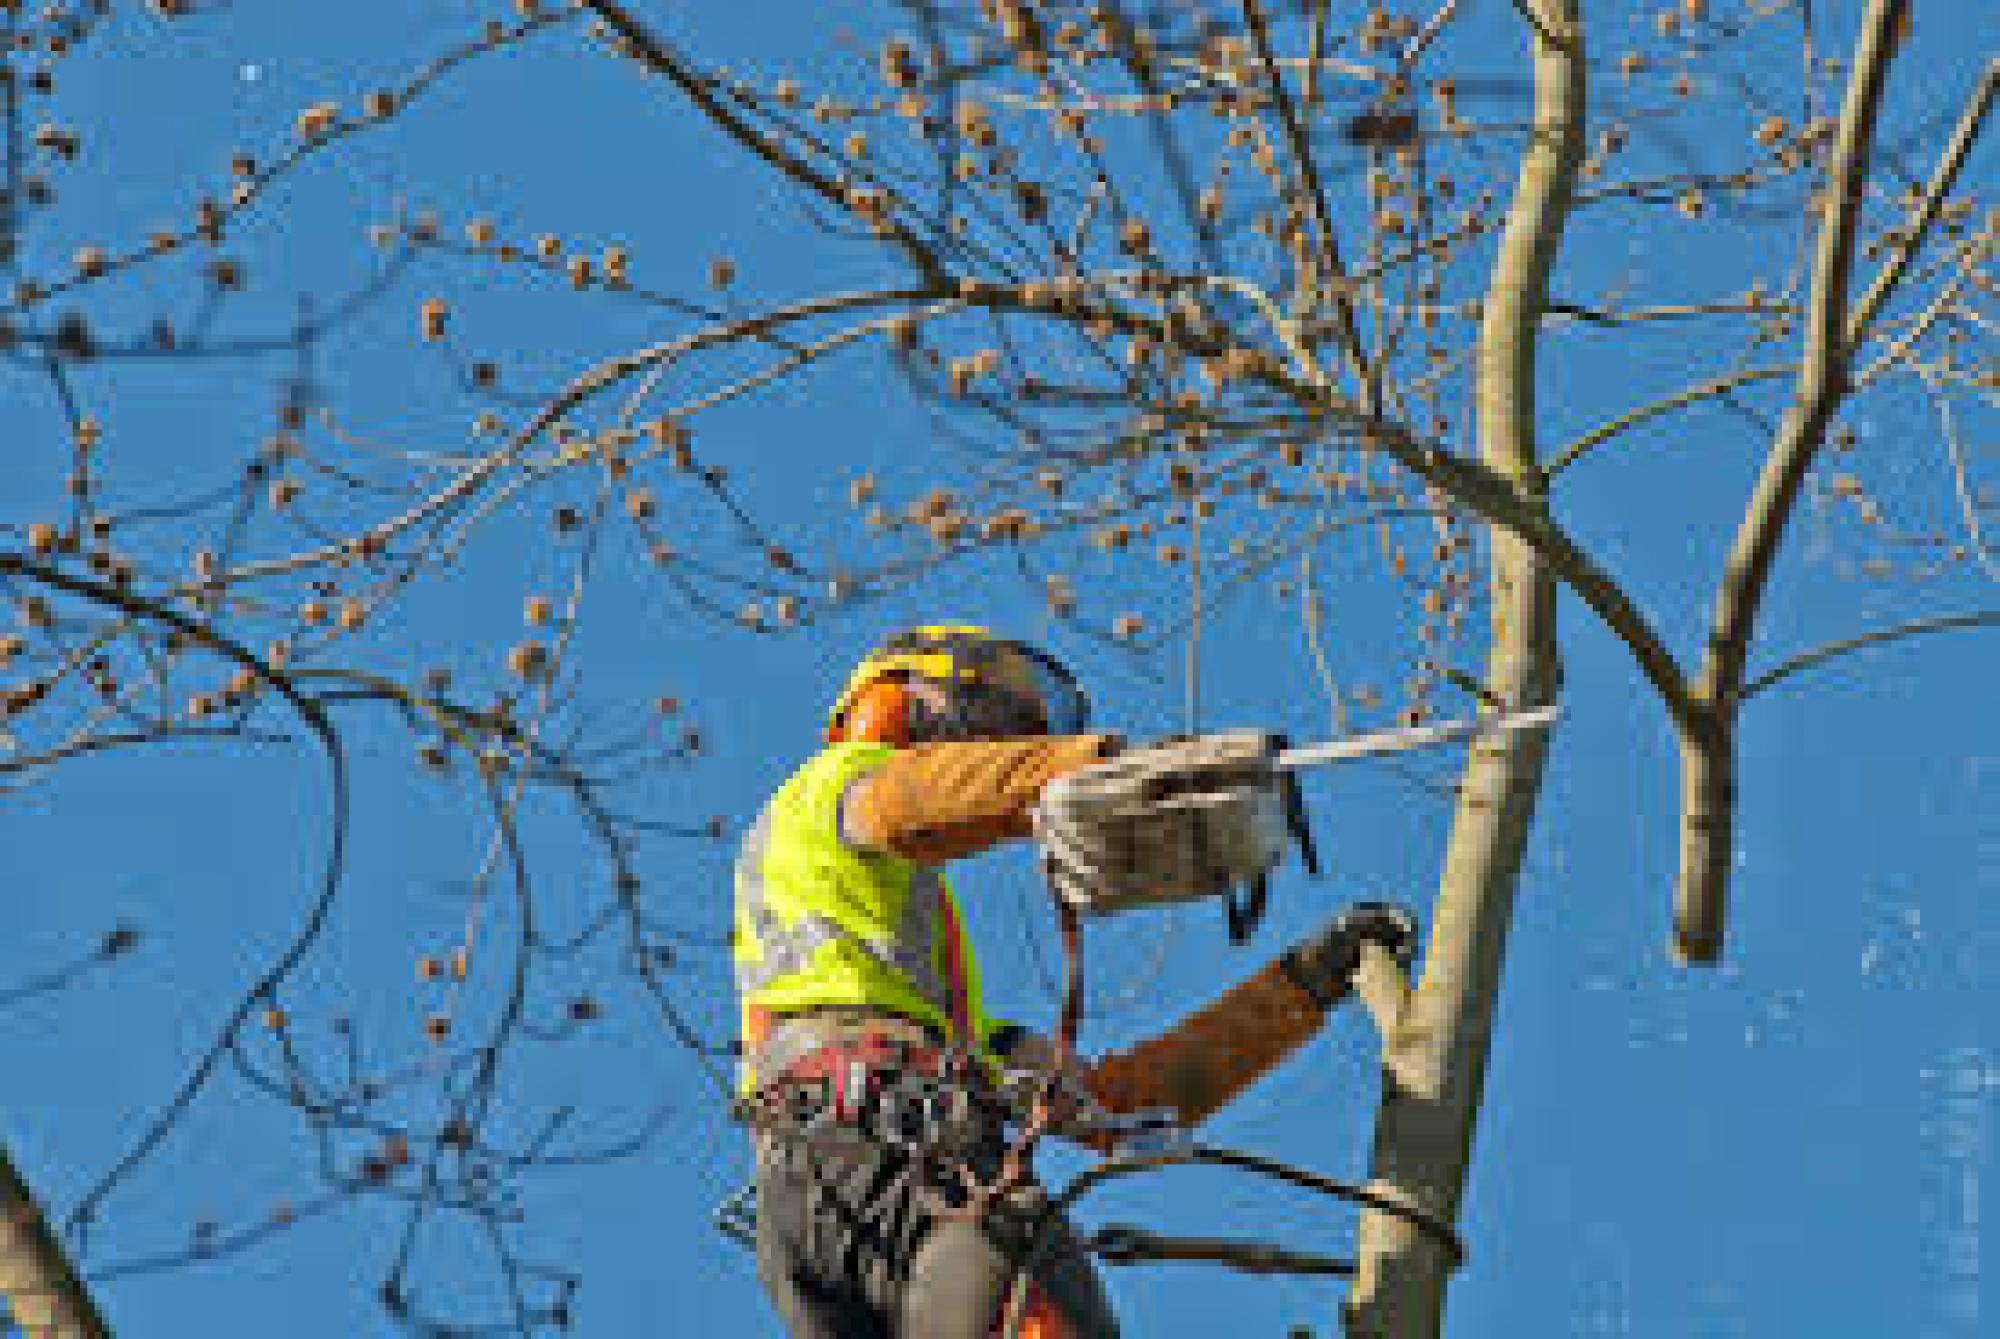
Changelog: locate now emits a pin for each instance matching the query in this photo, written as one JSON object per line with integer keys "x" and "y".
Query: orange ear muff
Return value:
{"x": 879, "y": 714}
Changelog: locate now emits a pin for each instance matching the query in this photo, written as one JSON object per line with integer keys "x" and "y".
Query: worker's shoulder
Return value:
{"x": 819, "y": 781}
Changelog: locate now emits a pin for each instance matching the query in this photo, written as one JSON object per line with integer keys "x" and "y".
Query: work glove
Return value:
{"x": 1029, "y": 1066}
{"x": 1323, "y": 966}
{"x": 1207, "y": 1058}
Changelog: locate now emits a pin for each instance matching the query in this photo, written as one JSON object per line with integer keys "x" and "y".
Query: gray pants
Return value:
{"x": 848, "y": 1247}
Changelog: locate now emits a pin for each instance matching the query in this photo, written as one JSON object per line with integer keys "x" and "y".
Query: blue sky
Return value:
{"x": 1797, "y": 1143}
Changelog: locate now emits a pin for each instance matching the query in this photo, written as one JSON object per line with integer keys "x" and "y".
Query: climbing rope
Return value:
{"x": 1126, "y": 1245}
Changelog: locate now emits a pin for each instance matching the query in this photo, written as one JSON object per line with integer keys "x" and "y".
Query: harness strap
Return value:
{"x": 794, "y": 1036}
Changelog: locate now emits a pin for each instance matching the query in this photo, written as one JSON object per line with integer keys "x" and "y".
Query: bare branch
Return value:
{"x": 656, "y": 55}
{"x": 1708, "y": 784}
{"x": 1909, "y": 238}
{"x": 1681, "y": 399}
{"x": 1335, "y": 280}
{"x": 1819, "y": 655}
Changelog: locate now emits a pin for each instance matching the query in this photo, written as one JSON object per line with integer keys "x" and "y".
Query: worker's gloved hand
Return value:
{"x": 1031, "y": 1067}
{"x": 1323, "y": 966}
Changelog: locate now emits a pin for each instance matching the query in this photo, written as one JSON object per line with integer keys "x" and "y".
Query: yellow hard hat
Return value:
{"x": 968, "y": 654}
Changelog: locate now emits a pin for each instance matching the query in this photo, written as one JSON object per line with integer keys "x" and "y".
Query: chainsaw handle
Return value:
{"x": 1297, "y": 817}
{"x": 1244, "y": 909}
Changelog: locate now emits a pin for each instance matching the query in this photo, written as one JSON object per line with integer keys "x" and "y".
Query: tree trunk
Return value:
{"x": 44, "y": 1296}
{"x": 1435, "y": 1057}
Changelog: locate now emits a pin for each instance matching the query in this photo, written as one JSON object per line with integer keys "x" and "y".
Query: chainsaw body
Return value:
{"x": 1180, "y": 821}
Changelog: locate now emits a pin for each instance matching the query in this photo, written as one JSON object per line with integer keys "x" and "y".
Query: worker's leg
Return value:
{"x": 962, "y": 1273}
{"x": 801, "y": 1235}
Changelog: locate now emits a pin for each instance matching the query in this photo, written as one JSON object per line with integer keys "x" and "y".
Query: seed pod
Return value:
{"x": 668, "y": 432}
{"x": 975, "y": 124}
{"x": 528, "y": 660}
{"x": 898, "y": 64}
{"x": 1384, "y": 128}
{"x": 1060, "y": 595}
{"x": 318, "y": 120}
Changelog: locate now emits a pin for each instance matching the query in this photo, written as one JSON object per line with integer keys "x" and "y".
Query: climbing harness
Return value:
{"x": 928, "y": 1101}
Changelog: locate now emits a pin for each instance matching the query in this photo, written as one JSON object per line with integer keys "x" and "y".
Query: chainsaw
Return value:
{"x": 1210, "y": 816}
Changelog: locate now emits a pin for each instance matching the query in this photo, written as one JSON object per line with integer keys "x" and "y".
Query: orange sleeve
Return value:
{"x": 1210, "y": 1057}
{"x": 937, "y": 802}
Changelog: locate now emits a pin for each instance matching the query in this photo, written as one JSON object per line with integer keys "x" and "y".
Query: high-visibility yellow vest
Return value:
{"x": 820, "y": 923}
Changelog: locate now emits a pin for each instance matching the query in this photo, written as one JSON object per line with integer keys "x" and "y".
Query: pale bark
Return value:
{"x": 1383, "y": 990}
{"x": 1708, "y": 736}
{"x": 44, "y": 1296}
{"x": 1435, "y": 1061}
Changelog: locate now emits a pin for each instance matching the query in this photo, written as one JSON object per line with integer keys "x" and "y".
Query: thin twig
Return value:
{"x": 1819, "y": 655}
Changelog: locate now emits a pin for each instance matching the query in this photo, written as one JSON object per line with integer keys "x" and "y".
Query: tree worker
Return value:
{"x": 858, "y": 981}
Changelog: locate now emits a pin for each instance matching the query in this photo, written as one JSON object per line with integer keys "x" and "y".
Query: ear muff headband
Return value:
{"x": 968, "y": 654}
